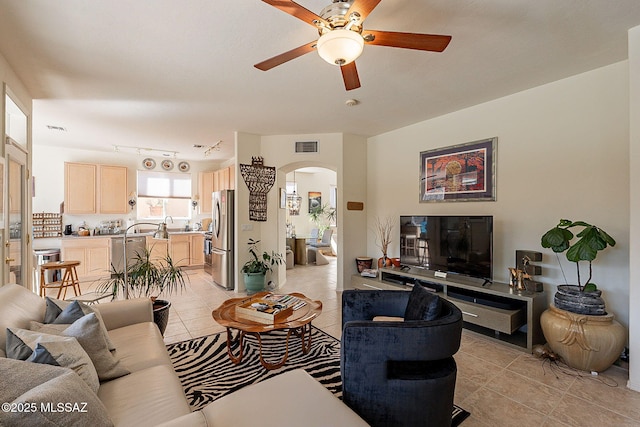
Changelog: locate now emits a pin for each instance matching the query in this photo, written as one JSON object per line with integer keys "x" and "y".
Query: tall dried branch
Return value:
{"x": 383, "y": 228}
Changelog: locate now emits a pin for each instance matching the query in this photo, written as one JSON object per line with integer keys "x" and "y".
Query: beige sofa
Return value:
{"x": 151, "y": 394}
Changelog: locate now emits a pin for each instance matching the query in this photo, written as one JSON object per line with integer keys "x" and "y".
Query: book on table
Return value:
{"x": 270, "y": 308}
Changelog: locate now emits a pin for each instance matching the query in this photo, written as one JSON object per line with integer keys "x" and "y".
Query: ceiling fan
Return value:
{"x": 342, "y": 36}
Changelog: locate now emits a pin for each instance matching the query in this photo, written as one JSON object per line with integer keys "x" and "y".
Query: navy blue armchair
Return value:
{"x": 399, "y": 373}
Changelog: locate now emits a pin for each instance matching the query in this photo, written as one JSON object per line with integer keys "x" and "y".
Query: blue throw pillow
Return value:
{"x": 422, "y": 305}
{"x": 70, "y": 314}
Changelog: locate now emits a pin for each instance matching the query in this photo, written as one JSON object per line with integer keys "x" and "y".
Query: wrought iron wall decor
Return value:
{"x": 259, "y": 179}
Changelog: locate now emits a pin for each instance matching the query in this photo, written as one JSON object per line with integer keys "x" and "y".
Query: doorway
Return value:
{"x": 311, "y": 213}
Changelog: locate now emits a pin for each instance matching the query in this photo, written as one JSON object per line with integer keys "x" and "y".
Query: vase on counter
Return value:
{"x": 383, "y": 261}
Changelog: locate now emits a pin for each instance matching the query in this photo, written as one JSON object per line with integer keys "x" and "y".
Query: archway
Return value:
{"x": 320, "y": 181}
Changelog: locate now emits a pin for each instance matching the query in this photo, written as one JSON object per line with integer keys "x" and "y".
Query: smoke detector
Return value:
{"x": 351, "y": 102}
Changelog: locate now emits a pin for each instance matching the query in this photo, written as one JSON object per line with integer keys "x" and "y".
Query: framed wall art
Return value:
{"x": 460, "y": 173}
{"x": 315, "y": 200}
{"x": 283, "y": 198}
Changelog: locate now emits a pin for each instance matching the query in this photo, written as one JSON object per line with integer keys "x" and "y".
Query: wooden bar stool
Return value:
{"x": 69, "y": 277}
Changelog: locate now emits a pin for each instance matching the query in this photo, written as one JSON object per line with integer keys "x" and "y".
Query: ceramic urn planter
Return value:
{"x": 586, "y": 342}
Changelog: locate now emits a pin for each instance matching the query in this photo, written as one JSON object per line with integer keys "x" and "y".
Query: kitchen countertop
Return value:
{"x": 144, "y": 234}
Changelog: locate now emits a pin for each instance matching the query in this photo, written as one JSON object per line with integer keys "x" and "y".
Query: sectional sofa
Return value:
{"x": 136, "y": 384}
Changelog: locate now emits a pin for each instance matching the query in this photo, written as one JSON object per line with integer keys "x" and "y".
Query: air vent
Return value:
{"x": 306, "y": 146}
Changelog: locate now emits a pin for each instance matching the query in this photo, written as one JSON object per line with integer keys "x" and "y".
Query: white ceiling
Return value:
{"x": 169, "y": 74}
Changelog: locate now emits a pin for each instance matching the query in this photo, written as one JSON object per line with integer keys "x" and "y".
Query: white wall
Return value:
{"x": 634, "y": 208}
{"x": 562, "y": 153}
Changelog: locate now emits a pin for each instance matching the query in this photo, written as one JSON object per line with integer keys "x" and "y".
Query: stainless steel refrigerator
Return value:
{"x": 222, "y": 238}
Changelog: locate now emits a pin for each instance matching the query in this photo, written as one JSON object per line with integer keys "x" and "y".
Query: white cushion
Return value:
{"x": 145, "y": 398}
{"x": 309, "y": 404}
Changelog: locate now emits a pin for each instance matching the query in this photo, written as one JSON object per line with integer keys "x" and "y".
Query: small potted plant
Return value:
{"x": 576, "y": 326}
{"x": 255, "y": 270}
{"x": 147, "y": 277}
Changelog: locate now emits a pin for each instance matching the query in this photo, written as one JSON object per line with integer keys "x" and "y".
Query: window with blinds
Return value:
{"x": 163, "y": 193}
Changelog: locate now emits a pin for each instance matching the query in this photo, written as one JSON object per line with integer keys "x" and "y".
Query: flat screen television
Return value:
{"x": 450, "y": 244}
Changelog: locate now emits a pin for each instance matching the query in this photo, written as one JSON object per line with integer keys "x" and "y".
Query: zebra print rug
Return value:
{"x": 207, "y": 373}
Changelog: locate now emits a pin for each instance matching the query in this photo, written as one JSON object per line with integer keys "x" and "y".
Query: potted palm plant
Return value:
{"x": 577, "y": 326}
{"x": 322, "y": 217}
{"x": 255, "y": 270}
{"x": 147, "y": 277}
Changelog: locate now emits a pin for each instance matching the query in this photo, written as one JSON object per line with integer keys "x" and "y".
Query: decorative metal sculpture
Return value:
{"x": 259, "y": 179}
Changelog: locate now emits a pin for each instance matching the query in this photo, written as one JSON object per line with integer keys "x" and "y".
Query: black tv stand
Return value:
{"x": 492, "y": 309}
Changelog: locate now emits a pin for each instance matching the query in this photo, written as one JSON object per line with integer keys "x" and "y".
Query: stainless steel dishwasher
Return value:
{"x": 135, "y": 245}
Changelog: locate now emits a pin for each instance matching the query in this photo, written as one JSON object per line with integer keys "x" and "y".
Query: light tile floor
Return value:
{"x": 499, "y": 385}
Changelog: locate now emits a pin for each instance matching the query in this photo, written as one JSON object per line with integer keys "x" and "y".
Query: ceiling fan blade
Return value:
{"x": 363, "y": 8}
{"x": 294, "y": 9}
{"x": 285, "y": 57}
{"x": 350, "y": 76}
{"x": 430, "y": 42}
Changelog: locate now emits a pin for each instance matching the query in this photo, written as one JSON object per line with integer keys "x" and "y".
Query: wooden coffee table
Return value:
{"x": 298, "y": 323}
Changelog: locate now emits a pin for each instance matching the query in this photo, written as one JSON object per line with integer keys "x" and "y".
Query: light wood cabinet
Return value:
{"x": 180, "y": 249}
{"x": 158, "y": 248}
{"x": 224, "y": 179}
{"x": 80, "y": 188}
{"x": 91, "y": 188}
{"x": 94, "y": 255}
{"x": 185, "y": 249}
{"x": 232, "y": 177}
{"x": 216, "y": 181}
{"x": 197, "y": 249}
{"x": 210, "y": 181}
{"x": 113, "y": 189}
{"x": 205, "y": 188}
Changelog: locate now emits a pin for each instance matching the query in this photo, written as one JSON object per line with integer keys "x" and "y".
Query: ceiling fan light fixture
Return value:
{"x": 340, "y": 46}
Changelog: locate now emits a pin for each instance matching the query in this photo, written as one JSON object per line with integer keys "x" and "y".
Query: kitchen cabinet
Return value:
{"x": 94, "y": 255}
{"x": 210, "y": 181}
{"x": 185, "y": 249}
{"x": 197, "y": 249}
{"x": 223, "y": 177}
{"x": 113, "y": 189}
{"x": 232, "y": 177}
{"x": 92, "y": 188}
{"x": 80, "y": 188}
{"x": 158, "y": 248}
{"x": 205, "y": 188}
{"x": 180, "y": 249}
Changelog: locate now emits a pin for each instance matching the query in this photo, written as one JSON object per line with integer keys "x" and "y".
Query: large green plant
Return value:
{"x": 145, "y": 277}
{"x": 591, "y": 240}
{"x": 260, "y": 263}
